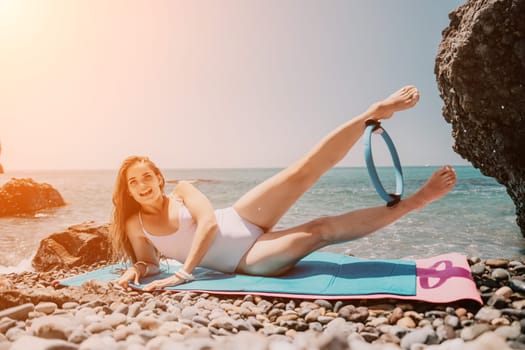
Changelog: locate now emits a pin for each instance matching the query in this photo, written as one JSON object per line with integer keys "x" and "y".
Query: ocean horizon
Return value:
{"x": 477, "y": 218}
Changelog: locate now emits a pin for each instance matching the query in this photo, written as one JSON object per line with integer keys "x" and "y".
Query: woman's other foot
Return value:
{"x": 438, "y": 185}
{"x": 400, "y": 100}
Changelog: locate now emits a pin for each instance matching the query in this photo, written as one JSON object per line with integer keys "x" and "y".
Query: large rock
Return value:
{"x": 25, "y": 196}
{"x": 82, "y": 244}
{"x": 480, "y": 71}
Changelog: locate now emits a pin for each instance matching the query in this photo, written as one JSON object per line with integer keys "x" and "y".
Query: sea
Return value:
{"x": 477, "y": 218}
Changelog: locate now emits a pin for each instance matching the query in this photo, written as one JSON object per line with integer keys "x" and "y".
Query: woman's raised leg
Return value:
{"x": 275, "y": 252}
{"x": 265, "y": 204}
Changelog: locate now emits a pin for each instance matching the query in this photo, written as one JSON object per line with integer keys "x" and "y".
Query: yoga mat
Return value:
{"x": 438, "y": 279}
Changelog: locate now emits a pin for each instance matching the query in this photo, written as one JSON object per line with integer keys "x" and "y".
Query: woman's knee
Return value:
{"x": 323, "y": 229}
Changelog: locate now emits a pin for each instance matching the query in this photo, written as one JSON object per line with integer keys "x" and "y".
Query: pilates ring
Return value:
{"x": 373, "y": 126}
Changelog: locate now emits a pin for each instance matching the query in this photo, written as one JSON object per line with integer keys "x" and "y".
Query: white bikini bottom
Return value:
{"x": 235, "y": 236}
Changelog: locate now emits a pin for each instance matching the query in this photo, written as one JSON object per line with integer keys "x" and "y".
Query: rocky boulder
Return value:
{"x": 480, "y": 71}
{"x": 82, "y": 244}
{"x": 25, "y": 196}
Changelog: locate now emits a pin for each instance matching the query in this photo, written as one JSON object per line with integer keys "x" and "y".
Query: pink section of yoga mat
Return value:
{"x": 440, "y": 279}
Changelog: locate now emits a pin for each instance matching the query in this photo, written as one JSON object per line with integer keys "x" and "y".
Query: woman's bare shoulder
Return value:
{"x": 183, "y": 189}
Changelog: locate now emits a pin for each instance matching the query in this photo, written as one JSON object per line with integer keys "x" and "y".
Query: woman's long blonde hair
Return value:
{"x": 124, "y": 207}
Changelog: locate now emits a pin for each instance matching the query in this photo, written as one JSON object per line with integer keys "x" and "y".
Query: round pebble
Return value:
{"x": 517, "y": 285}
{"x": 46, "y": 307}
{"x": 500, "y": 274}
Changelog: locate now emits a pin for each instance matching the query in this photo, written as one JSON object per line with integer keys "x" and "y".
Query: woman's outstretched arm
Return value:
{"x": 147, "y": 263}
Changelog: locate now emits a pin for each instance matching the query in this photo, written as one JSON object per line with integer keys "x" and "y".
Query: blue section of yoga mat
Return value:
{"x": 319, "y": 273}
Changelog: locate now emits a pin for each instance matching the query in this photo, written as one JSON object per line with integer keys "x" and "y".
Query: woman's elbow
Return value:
{"x": 212, "y": 226}
{"x": 209, "y": 225}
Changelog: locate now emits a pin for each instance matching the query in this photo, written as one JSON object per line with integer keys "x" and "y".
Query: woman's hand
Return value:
{"x": 171, "y": 281}
{"x": 131, "y": 274}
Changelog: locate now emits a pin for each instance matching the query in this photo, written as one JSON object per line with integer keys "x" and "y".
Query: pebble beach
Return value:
{"x": 37, "y": 314}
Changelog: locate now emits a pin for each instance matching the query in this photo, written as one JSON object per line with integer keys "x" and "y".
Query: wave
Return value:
{"x": 23, "y": 266}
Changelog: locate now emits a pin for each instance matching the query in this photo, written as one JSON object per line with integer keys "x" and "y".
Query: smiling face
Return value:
{"x": 144, "y": 185}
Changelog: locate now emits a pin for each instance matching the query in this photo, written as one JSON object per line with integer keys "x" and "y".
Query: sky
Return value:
{"x": 213, "y": 84}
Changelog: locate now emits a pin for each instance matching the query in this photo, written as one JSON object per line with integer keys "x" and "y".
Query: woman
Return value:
{"x": 240, "y": 239}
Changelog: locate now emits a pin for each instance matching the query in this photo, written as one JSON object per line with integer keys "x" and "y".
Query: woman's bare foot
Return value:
{"x": 400, "y": 100}
{"x": 438, "y": 185}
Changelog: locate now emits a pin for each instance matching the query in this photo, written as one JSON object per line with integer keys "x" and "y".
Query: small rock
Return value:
{"x": 477, "y": 269}
{"x": 78, "y": 335}
{"x": 435, "y": 323}
{"x": 396, "y": 315}
{"x": 429, "y": 314}
{"x": 473, "y": 260}
{"x": 116, "y": 319}
{"x": 201, "y": 320}
{"x": 270, "y": 329}
{"x": 513, "y": 312}
{"x": 461, "y": 312}
{"x": 500, "y": 274}
{"x": 217, "y": 313}
{"x": 98, "y": 327}
{"x": 487, "y": 314}
{"x": 98, "y": 341}
{"x": 324, "y": 303}
{"x": 315, "y": 326}
{"x": 406, "y": 322}
{"x": 338, "y": 305}
{"x": 418, "y": 336}
{"x": 509, "y": 332}
{"x": 497, "y": 301}
{"x": 445, "y": 332}
{"x": 517, "y": 285}
{"x": 15, "y": 333}
{"x": 189, "y": 312}
{"x": 500, "y": 321}
{"x": 519, "y": 270}
{"x": 340, "y": 327}
{"x": 226, "y": 323}
{"x": 518, "y": 304}
{"x": 369, "y": 336}
{"x": 360, "y": 315}
{"x": 123, "y": 332}
{"x": 452, "y": 321}
{"x": 18, "y": 313}
{"x": 36, "y": 343}
{"x": 324, "y": 319}
{"x": 346, "y": 311}
{"x": 148, "y": 322}
{"x": 472, "y": 332}
{"x": 288, "y": 317}
{"x": 504, "y": 291}
{"x": 46, "y": 307}
{"x": 312, "y": 315}
{"x": 172, "y": 327}
{"x": 134, "y": 309}
{"x": 53, "y": 327}
{"x": 5, "y": 324}
{"x": 120, "y": 308}
{"x": 254, "y": 323}
{"x": 70, "y": 305}
{"x": 496, "y": 262}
